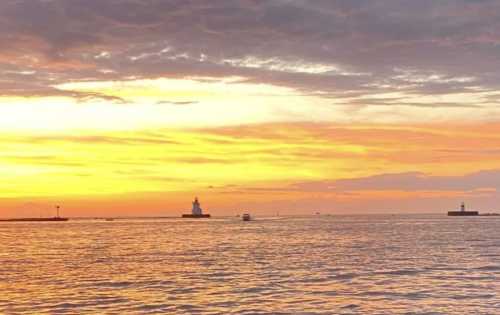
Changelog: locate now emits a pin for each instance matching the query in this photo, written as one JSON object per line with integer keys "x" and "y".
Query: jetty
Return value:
{"x": 54, "y": 219}
{"x": 462, "y": 212}
{"x": 57, "y": 218}
{"x": 196, "y": 211}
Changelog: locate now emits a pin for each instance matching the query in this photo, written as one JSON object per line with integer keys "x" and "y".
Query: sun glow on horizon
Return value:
{"x": 262, "y": 163}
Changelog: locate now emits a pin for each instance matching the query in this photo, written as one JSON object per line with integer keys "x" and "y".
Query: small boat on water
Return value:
{"x": 246, "y": 217}
{"x": 196, "y": 212}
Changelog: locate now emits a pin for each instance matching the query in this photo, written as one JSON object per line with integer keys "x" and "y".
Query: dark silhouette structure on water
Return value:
{"x": 57, "y": 218}
{"x": 462, "y": 212}
{"x": 196, "y": 212}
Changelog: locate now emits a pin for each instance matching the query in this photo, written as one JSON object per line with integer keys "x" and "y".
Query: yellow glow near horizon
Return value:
{"x": 132, "y": 162}
{"x": 223, "y": 138}
{"x": 256, "y": 164}
{"x": 89, "y": 163}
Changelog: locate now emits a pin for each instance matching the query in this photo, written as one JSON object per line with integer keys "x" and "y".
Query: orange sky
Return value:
{"x": 255, "y": 106}
{"x": 287, "y": 167}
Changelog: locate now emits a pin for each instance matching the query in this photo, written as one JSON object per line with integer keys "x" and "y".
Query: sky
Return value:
{"x": 134, "y": 107}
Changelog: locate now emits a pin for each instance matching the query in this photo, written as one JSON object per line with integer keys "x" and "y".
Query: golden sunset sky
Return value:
{"x": 134, "y": 107}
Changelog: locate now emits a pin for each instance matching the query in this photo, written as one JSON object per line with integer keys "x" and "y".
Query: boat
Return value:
{"x": 246, "y": 217}
{"x": 57, "y": 218}
{"x": 196, "y": 211}
{"x": 462, "y": 212}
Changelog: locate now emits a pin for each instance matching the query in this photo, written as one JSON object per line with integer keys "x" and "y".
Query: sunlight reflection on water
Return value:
{"x": 314, "y": 265}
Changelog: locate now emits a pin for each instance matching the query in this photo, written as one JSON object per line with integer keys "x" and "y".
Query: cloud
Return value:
{"x": 328, "y": 48}
{"x": 101, "y": 139}
{"x": 46, "y": 160}
{"x": 410, "y": 181}
{"x": 176, "y": 102}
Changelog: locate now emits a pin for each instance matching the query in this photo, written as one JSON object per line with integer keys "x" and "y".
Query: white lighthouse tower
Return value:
{"x": 196, "y": 211}
{"x": 196, "y": 208}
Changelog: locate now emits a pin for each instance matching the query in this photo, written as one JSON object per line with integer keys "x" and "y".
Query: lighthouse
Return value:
{"x": 196, "y": 207}
{"x": 196, "y": 211}
{"x": 462, "y": 211}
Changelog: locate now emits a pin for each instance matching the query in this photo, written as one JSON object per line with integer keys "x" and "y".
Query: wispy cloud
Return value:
{"x": 317, "y": 47}
{"x": 411, "y": 181}
{"x": 176, "y": 102}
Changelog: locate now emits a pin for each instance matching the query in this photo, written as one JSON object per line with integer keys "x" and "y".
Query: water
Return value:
{"x": 291, "y": 265}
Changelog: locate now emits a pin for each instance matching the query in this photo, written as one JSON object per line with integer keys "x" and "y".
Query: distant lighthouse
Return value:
{"x": 462, "y": 212}
{"x": 196, "y": 211}
{"x": 196, "y": 207}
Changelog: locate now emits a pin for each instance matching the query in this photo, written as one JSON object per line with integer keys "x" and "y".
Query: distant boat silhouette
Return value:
{"x": 246, "y": 217}
{"x": 196, "y": 212}
{"x": 57, "y": 218}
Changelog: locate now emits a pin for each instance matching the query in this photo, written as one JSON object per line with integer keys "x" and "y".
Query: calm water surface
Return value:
{"x": 291, "y": 265}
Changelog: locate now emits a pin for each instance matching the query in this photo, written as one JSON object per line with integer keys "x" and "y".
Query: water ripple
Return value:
{"x": 295, "y": 265}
